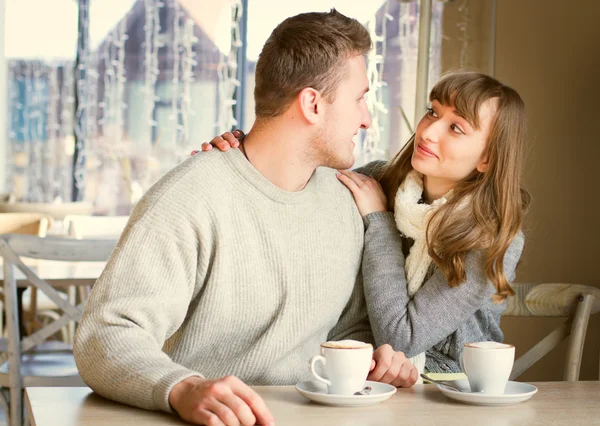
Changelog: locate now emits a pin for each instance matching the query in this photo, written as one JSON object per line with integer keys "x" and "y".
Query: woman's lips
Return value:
{"x": 425, "y": 151}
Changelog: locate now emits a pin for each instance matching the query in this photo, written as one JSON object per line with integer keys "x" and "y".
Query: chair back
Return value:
{"x": 32, "y": 361}
{"x": 80, "y": 226}
{"x": 12, "y": 248}
{"x": 25, "y": 223}
{"x": 31, "y": 224}
{"x": 573, "y": 301}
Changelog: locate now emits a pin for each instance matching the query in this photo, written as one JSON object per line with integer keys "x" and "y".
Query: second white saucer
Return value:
{"x": 317, "y": 392}
{"x": 515, "y": 392}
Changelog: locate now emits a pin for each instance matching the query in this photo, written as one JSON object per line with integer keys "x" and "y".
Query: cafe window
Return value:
{"x": 108, "y": 95}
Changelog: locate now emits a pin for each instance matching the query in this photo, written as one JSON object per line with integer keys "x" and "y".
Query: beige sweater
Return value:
{"x": 221, "y": 272}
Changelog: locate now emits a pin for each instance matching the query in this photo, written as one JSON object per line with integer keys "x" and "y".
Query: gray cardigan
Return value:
{"x": 439, "y": 320}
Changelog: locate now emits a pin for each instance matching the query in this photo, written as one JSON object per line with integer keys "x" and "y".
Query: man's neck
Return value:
{"x": 279, "y": 153}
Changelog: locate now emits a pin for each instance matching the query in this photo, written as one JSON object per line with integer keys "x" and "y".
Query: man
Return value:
{"x": 236, "y": 265}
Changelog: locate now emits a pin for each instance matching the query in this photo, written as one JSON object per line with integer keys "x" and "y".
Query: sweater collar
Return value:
{"x": 253, "y": 177}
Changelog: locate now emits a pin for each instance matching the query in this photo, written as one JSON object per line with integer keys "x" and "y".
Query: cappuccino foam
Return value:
{"x": 346, "y": 344}
{"x": 488, "y": 345}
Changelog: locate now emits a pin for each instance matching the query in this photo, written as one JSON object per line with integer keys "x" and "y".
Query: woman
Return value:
{"x": 455, "y": 195}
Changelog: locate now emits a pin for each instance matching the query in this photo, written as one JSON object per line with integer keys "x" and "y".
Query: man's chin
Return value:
{"x": 342, "y": 163}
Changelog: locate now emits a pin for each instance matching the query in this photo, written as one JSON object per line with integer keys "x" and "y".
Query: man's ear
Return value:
{"x": 311, "y": 104}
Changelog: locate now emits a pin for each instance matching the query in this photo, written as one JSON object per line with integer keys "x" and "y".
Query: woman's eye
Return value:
{"x": 431, "y": 112}
{"x": 457, "y": 129}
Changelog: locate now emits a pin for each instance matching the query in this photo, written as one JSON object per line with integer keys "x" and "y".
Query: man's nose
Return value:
{"x": 366, "y": 120}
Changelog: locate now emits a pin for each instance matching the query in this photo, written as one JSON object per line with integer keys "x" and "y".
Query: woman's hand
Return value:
{"x": 392, "y": 367}
{"x": 367, "y": 192}
{"x": 224, "y": 142}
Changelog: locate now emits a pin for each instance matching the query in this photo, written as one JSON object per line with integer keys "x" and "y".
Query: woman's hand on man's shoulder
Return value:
{"x": 223, "y": 142}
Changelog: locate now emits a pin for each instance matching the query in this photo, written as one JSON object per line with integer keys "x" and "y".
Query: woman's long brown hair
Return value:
{"x": 494, "y": 215}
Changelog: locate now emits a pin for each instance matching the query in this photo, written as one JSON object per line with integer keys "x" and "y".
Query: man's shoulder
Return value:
{"x": 329, "y": 183}
{"x": 205, "y": 164}
{"x": 374, "y": 168}
{"x": 200, "y": 171}
{"x": 188, "y": 185}
{"x": 334, "y": 195}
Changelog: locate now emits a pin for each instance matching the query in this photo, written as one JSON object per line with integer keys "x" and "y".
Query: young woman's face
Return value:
{"x": 447, "y": 147}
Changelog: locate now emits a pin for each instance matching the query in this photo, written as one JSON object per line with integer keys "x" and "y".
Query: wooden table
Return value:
{"x": 556, "y": 403}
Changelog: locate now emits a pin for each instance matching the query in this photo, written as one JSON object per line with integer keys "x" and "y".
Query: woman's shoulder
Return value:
{"x": 374, "y": 169}
{"x": 518, "y": 241}
{"x": 515, "y": 248}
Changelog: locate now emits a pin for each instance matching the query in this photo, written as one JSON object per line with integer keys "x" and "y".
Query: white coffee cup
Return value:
{"x": 488, "y": 366}
{"x": 346, "y": 364}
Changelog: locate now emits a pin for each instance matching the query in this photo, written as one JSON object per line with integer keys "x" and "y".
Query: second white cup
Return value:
{"x": 346, "y": 364}
{"x": 488, "y": 366}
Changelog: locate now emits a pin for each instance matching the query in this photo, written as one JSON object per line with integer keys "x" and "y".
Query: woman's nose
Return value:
{"x": 431, "y": 132}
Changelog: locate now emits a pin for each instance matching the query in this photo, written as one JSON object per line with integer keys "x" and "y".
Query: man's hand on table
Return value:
{"x": 226, "y": 401}
{"x": 392, "y": 367}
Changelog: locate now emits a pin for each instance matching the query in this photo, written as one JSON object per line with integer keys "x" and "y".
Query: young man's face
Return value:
{"x": 343, "y": 118}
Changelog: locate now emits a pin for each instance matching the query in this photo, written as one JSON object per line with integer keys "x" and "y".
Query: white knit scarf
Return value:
{"x": 411, "y": 220}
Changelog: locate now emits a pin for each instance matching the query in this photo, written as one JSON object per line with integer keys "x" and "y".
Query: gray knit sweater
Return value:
{"x": 220, "y": 272}
{"x": 439, "y": 320}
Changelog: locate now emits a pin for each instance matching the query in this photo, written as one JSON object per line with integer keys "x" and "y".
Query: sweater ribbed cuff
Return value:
{"x": 163, "y": 388}
{"x": 380, "y": 219}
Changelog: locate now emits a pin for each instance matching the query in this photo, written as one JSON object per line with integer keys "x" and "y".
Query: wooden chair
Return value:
{"x": 7, "y": 197}
{"x": 25, "y": 223}
{"x": 30, "y": 224}
{"x": 80, "y": 226}
{"x": 573, "y": 301}
{"x": 31, "y": 360}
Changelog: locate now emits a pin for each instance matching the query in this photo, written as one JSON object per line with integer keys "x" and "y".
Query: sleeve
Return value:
{"x": 436, "y": 310}
{"x": 139, "y": 301}
{"x": 374, "y": 169}
{"x": 354, "y": 321}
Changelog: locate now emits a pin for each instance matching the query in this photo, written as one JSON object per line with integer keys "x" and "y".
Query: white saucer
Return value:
{"x": 317, "y": 392}
{"x": 515, "y": 392}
